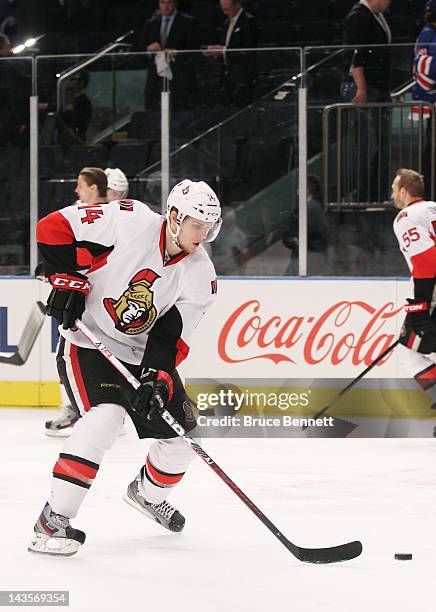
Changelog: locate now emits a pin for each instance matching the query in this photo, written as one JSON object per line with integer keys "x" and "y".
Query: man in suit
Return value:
{"x": 238, "y": 73}
{"x": 170, "y": 31}
{"x": 368, "y": 81}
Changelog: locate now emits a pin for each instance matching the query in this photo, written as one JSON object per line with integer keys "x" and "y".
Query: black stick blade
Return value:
{"x": 14, "y": 359}
{"x": 335, "y": 554}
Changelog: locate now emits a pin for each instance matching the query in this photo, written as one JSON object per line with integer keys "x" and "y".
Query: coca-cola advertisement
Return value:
{"x": 269, "y": 328}
{"x": 299, "y": 328}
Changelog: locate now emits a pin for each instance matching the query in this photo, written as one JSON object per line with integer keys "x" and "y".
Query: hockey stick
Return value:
{"x": 344, "y": 552}
{"x": 28, "y": 337}
{"x": 354, "y": 382}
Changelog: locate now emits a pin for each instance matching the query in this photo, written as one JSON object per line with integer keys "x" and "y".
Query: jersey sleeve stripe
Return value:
{"x": 99, "y": 261}
{"x": 54, "y": 229}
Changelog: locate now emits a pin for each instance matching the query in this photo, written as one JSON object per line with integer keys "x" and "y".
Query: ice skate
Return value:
{"x": 163, "y": 513}
{"x": 54, "y": 535}
{"x": 62, "y": 426}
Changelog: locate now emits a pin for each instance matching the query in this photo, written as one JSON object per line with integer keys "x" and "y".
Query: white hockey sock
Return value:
{"x": 81, "y": 456}
{"x": 165, "y": 466}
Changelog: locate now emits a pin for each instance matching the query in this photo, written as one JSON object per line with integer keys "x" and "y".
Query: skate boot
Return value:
{"x": 163, "y": 513}
{"x": 54, "y": 535}
{"x": 61, "y": 426}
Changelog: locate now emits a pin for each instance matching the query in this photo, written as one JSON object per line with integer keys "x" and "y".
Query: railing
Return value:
{"x": 363, "y": 145}
{"x": 255, "y": 155}
{"x": 66, "y": 74}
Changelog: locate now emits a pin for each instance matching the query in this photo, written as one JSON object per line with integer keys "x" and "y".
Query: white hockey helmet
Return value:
{"x": 196, "y": 200}
{"x": 117, "y": 181}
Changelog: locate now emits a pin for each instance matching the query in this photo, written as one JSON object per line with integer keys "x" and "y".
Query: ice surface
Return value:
{"x": 318, "y": 492}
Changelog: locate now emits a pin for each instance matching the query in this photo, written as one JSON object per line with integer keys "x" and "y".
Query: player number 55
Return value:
{"x": 412, "y": 235}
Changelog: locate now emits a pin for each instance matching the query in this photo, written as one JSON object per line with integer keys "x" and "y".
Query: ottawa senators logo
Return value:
{"x": 134, "y": 312}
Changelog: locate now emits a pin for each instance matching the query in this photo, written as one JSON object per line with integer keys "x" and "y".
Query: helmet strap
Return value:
{"x": 174, "y": 235}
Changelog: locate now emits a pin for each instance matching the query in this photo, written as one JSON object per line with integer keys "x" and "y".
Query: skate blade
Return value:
{"x": 56, "y": 547}
{"x": 138, "y": 507}
{"x": 59, "y": 433}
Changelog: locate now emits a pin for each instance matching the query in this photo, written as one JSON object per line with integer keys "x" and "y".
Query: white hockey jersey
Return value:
{"x": 139, "y": 297}
{"x": 415, "y": 228}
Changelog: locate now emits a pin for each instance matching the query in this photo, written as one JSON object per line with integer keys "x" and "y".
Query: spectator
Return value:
{"x": 238, "y": 74}
{"x": 316, "y": 233}
{"x": 424, "y": 89}
{"x": 5, "y": 46}
{"x": 76, "y": 112}
{"x": 368, "y": 81}
{"x": 166, "y": 33}
{"x": 8, "y": 16}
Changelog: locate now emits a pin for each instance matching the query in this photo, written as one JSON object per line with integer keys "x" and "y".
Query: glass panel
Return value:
{"x": 349, "y": 209}
{"x": 243, "y": 141}
{"x": 15, "y": 89}
{"x": 96, "y": 118}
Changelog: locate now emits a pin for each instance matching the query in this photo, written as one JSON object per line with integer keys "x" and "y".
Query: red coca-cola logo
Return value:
{"x": 329, "y": 337}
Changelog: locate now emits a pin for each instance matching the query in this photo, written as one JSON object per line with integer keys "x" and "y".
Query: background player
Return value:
{"x": 117, "y": 189}
{"x": 415, "y": 228}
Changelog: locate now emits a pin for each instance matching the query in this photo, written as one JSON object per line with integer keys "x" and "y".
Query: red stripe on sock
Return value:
{"x": 75, "y": 469}
{"x": 161, "y": 477}
{"x": 77, "y": 372}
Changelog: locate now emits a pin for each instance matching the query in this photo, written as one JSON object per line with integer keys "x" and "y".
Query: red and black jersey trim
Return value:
{"x": 427, "y": 377}
{"x": 58, "y": 245}
{"x": 76, "y": 470}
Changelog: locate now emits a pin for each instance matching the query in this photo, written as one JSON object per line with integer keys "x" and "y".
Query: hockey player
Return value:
{"x": 117, "y": 184}
{"x": 143, "y": 296}
{"x": 415, "y": 228}
{"x": 117, "y": 189}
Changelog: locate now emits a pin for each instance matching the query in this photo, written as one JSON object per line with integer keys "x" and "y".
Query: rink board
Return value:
{"x": 276, "y": 328}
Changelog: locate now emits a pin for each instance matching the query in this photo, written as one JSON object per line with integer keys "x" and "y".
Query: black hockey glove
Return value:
{"x": 66, "y": 302}
{"x": 152, "y": 396}
{"x": 418, "y": 317}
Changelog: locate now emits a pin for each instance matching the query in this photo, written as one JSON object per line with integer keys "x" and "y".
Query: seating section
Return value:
{"x": 245, "y": 151}
{"x": 93, "y": 27}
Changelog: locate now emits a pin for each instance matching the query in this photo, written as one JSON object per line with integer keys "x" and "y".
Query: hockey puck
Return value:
{"x": 403, "y": 556}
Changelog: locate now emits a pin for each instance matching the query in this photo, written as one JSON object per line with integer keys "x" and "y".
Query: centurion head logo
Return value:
{"x": 134, "y": 312}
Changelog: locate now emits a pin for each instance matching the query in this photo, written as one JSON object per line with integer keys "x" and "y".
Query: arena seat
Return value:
{"x": 275, "y": 10}
{"x": 130, "y": 156}
{"x": 78, "y": 156}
